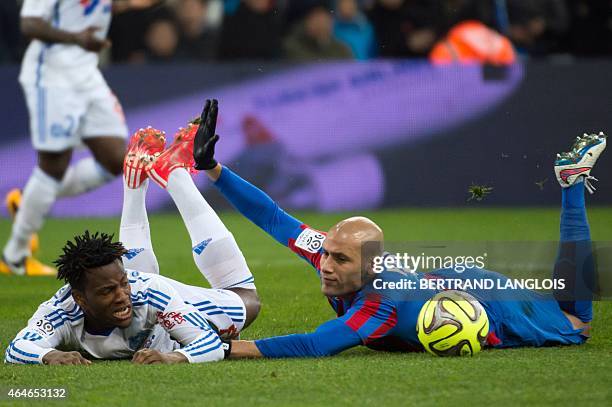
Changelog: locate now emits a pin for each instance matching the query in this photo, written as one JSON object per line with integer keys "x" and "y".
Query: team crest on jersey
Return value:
{"x": 139, "y": 340}
{"x": 149, "y": 342}
{"x": 131, "y": 253}
{"x": 44, "y": 328}
{"x": 199, "y": 248}
{"x": 310, "y": 240}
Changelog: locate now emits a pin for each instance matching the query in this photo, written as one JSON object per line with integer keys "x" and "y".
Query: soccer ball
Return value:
{"x": 452, "y": 323}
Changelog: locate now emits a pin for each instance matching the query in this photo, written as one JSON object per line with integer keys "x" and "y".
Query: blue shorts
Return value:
{"x": 520, "y": 317}
{"x": 536, "y": 320}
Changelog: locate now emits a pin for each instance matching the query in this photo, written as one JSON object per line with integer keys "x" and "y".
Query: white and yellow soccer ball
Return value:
{"x": 452, "y": 323}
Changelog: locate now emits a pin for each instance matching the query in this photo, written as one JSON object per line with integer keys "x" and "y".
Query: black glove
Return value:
{"x": 205, "y": 138}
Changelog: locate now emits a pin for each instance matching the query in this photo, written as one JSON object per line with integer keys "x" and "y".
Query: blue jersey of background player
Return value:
{"x": 385, "y": 319}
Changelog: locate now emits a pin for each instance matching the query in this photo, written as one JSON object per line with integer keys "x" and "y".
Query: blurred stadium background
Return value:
{"x": 386, "y": 131}
{"x": 386, "y": 107}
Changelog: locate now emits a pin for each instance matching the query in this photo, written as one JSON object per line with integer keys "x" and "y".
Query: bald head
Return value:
{"x": 359, "y": 228}
{"x": 360, "y": 231}
{"x": 348, "y": 252}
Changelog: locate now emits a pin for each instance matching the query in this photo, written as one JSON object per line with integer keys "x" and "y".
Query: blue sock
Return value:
{"x": 574, "y": 223}
{"x": 575, "y": 260}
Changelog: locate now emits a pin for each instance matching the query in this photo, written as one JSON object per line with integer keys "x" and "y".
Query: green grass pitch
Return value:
{"x": 579, "y": 375}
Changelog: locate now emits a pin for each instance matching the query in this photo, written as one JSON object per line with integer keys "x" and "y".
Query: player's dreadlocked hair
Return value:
{"x": 87, "y": 251}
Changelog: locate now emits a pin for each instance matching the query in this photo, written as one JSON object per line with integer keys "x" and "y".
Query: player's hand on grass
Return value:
{"x": 88, "y": 40}
{"x": 206, "y": 138}
{"x": 151, "y": 356}
{"x": 56, "y": 357}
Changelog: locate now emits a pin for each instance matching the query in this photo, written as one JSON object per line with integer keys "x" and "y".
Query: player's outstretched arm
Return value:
{"x": 36, "y": 343}
{"x": 258, "y": 207}
{"x": 370, "y": 318}
{"x": 25, "y": 349}
{"x": 249, "y": 200}
{"x": 329, "y": 339}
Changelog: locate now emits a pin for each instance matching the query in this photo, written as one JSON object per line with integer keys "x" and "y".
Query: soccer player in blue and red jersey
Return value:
{"x": 386, "y": 319}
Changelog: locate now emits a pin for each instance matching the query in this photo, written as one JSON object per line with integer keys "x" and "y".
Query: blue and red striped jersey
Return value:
{"x": 386, "y": 319}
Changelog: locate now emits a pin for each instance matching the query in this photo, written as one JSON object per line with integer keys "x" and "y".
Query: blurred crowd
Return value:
{"x": 229, "y": 30}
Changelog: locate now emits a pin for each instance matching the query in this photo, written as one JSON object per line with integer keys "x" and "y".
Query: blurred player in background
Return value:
{"x": 385, "y": 319}
{"x": 69, "y": 103}
{"x": 108, "y": 312}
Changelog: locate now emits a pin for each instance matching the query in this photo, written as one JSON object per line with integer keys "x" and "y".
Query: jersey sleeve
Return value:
{"x": 370, "y": 318}
{"x": 46, "y": 330}
{"x": 330, "y": 338}
{"x": 184, "y": 323}
{"x": 39, "y": 8}
{"x": 308, "y": 244}
{"x": 260, "y": 209}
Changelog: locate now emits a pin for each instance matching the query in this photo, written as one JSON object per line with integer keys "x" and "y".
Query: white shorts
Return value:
{"x": 61, "y": 117}
{"x": 224, "y": 308}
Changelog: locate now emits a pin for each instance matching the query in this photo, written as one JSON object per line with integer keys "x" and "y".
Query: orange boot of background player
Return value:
{"x": 30, "y": 266}
{"x": 13, "y": 200}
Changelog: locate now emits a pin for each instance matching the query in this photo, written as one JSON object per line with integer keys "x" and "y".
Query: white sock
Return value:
{"x": 85, "y": 175}
{"x": 38, "y": 196}
{"x": 134, "y": 231}
{"x": 215, "y": 251}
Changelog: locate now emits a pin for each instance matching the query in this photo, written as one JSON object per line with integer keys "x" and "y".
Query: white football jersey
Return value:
{"x": 63, "y": 64}
{"x": 161, "y": 319}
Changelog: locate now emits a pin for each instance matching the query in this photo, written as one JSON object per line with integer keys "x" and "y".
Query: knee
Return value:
{"x": 252, "y": 304}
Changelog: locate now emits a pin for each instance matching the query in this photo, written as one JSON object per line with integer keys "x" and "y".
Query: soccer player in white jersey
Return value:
{"x": 69, "y": 103}
{"x": 115, "y": 304}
